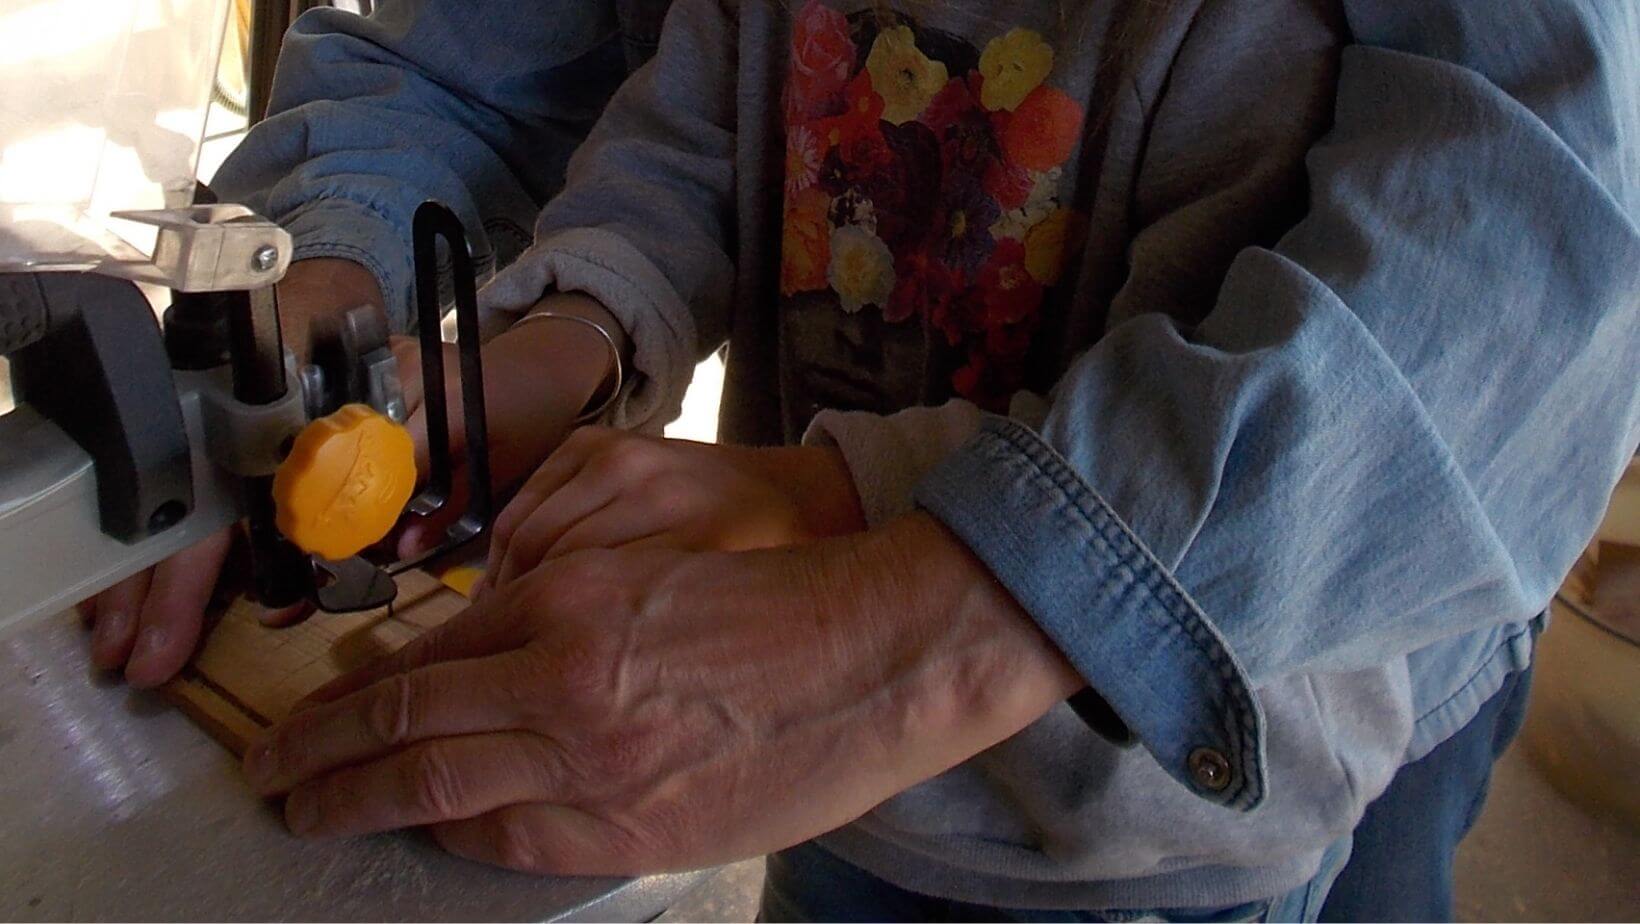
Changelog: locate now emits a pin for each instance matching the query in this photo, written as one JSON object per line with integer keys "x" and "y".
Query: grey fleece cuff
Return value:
{"x": 603, "y": 265}
{"x": 888, "y": 455}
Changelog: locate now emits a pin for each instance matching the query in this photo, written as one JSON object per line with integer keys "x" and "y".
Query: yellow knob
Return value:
{"x": 345, "y": 482}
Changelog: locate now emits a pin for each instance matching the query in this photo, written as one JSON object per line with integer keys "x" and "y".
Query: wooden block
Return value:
{"x": 247, "y": 676}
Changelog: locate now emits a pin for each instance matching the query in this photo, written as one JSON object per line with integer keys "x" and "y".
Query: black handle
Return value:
{"x": 24, "y": 317}
{"x": 432, "y": 222}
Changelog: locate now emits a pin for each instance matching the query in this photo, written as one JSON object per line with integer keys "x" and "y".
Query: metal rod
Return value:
{"x": 257, "y": 348}
{"x": 269, "y": 21}
{"x": 432, "y": 222}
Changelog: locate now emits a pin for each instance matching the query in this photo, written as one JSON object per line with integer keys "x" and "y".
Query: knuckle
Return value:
{"x": 506, "y": 526}
{"x": 388, "y": 713}
{"x": 585, "y": 673}
{"x": 628, "y": 457}
{"x": 666, "y": 491}
{"x": 430, "y": 785}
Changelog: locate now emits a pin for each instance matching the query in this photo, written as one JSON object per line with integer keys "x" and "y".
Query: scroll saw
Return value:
{"x": 135, "y": 438}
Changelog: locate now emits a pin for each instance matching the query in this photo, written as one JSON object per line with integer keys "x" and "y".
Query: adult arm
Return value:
{"x": 1394, "y": 426}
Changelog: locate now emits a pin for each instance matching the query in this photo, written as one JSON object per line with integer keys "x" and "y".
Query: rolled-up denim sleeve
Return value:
{"x": 476, "y": 104}
{"x": 1397, "y": 425}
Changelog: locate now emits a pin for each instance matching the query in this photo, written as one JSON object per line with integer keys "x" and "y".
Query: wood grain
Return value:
{"x": 247, "y": 676}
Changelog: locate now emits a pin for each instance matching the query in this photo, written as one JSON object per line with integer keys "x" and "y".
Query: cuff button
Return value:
{"x": 1210, "y": 769}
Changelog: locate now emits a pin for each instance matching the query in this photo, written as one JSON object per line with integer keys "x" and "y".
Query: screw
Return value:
{"x": 265, "y": 258}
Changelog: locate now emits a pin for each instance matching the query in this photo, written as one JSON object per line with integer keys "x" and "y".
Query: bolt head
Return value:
{"x": 265, "y": 258}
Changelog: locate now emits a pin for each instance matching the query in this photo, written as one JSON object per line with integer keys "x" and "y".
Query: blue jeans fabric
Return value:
{"x": 1400, "y": 867}
{"x": 810, "y": 883}
{"x": 1395, "y": 866}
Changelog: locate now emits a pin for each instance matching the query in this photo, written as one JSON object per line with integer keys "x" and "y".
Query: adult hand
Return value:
{"x": 149, "y": 624}
{"x": 631, "y": 711}
{"x": 608, "y": 488}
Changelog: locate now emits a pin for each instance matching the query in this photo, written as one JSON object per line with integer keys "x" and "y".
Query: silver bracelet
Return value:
{"x": 614, "y": 351}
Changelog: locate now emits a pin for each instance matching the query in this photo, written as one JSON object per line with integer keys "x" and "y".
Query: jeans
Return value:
{"x": 809, "y": 883}
{"x": 1395, "y": 866}
{"x": 1400, "y": 867}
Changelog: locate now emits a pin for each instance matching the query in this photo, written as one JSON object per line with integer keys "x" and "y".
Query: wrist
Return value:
{"x": 574, "y": 346}
{"x": 988, "y": 669}
{"x": 316, "y": 292}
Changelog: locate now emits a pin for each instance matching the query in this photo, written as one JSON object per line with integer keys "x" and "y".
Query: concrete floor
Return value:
{"x": 1534, "y": 856}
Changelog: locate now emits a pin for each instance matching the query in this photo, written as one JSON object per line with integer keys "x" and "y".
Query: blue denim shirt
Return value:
{"x": 476, "y": 104}
{"x": 1415, "y": 405}
{"x": 1412, "y": 406}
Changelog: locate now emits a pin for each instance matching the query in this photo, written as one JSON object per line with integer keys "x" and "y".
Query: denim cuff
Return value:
{"x": 1117, "y": 613}
{"x": 342, "y": 228}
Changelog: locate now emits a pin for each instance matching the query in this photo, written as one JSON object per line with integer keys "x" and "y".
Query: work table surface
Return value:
{"x": 114, "y": 807}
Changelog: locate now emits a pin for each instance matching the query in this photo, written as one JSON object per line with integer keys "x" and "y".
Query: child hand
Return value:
{"x": 537, "y": 379}
{"x": 612, "y": 489}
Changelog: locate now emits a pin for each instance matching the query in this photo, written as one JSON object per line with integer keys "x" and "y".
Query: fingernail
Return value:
{"x": 151, "y": 641}
{"x": 413, "y": 541}
{"x": 301, "y": 814}
{"x": 112, "y": 627}
{"x": 108, "y": 639}
{"x": 282, "y": 618}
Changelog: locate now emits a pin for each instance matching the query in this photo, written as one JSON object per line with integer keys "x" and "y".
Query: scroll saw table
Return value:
{"x": 114, "y": 807}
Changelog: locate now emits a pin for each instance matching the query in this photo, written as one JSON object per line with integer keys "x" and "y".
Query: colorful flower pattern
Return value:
{"x": 922, "y": 180}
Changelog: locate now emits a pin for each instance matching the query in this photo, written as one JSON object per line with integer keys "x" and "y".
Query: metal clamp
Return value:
{"x": 247, "y": 439}
{"x": 432, "y": 222}
{"x": 209, "y": 248}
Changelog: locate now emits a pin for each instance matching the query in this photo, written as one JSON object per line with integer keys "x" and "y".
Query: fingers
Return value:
{"x": 115, "y": 613}
{"x": 173, "y": 611}
{"x": 283, "y": 618}
{"x": 586, "y": 495}
{"x": 546, "y": 481}
{"x": 407, "y": 351}
{"x": 439, "y": 700}
{"x": 435, "y": 781}
{"x": 544, "y": 839}
{"x": 476, "y": 632}
{"x": 623, "y": 523}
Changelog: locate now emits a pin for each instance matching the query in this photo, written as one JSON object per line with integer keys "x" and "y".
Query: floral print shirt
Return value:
{"x": 926, "y": 197}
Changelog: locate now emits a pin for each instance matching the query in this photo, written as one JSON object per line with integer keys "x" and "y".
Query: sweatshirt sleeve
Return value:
{"x": 476, "y": 104}
{"x": 646, "y": 218}
{"x": 1398, "y": 424}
